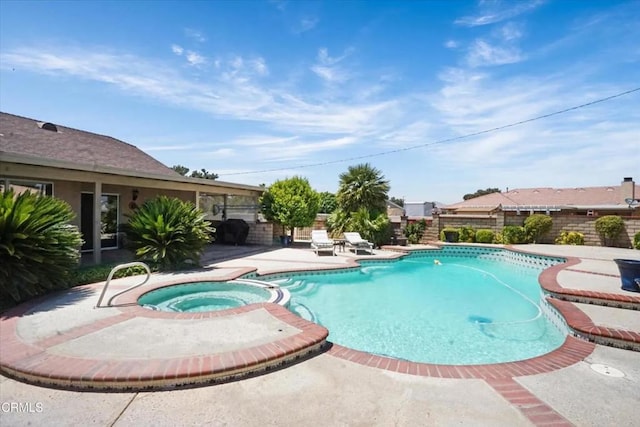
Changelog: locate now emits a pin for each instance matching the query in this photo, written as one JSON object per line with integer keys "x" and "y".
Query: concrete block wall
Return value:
{"x": 561, "y": 222}
{"x": 260, "y": 233}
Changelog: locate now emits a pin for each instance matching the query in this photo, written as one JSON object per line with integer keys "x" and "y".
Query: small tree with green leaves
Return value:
{"x": 609, "y": 227}
{"x": 38, "y": 246}
{"x": 415, "y": 230}
{"x": 168, "y": 233}
{"x": 291, "y": 203}
{"x": 328, "y": 202}
{"x": 536, "y": 226}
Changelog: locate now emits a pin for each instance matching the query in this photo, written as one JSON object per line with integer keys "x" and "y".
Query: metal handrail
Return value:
{"x": 113, "y": 271}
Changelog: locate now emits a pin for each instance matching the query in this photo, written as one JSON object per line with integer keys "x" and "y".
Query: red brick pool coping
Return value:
{"x": 32, "y": 362}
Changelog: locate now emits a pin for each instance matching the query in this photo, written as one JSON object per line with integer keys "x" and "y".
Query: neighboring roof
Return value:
{"x": 23, "y": 136}
{"x": 393, "y": 205}
{"x": 582, "y": 197}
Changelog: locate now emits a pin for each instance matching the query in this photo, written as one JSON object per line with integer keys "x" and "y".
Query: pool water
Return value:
{"x": 458, "y": 310}
{"x": 203, "y": 296}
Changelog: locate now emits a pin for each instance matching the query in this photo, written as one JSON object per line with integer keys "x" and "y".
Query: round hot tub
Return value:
{"x": 198, "y": 297}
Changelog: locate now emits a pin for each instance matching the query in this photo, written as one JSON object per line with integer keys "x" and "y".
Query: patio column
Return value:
{"x": 97, "y": 222}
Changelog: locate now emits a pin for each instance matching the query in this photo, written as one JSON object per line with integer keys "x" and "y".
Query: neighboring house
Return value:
{"x": 394, "y": 211}
{"x": 421, "y": 210}
{"x": 589, "y": 201}
{"x": 75, "y": 165}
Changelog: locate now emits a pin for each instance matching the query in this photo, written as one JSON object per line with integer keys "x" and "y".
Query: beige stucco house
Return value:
{"x": 75, "y": 165}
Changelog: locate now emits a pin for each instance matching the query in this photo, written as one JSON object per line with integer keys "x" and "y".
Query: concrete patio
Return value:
{"x": 337, "y": 386}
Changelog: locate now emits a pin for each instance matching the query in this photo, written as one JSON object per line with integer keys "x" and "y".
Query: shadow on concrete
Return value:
{"x": 50, "y": 301}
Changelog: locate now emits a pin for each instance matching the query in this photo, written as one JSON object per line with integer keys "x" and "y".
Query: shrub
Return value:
{"x": 636, "y": 240}
{"x": 38, "y": 246}
{"x": 99, "y": 273}
{"x": 570, "y": 238}
{"x": 466, "y": 234}
{"x": 451, "y": 231}
{"x": 498, "y": 238}
{"x": 484, "y": 235}
{"x": 609, "y": 228}
{"x": 514, "y": 234}
{"x": 415, "y": 230}
{"x": 168, "y": 233}
{"x": 536, "y": 226}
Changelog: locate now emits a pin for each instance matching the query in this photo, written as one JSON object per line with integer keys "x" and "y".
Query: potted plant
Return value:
{"x": 629, "y": 274}
{"x": 449, "y": 235}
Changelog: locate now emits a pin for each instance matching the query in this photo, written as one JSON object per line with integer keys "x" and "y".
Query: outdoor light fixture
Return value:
{"x": 134, "y": 194}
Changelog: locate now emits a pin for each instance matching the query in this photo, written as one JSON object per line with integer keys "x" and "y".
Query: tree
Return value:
{"x": 38, "y": 245}
{"x": 168, "y": 233}
{"x": 397, "y": 201}
{"x": 363, "y": 186}
{"x": 202, "y": 173}
{"x": 182, "y": 170}
{"x": 328, "y": 202}
{"x": 291, "y": 203}
{"x": 480, "y": 193}
{"x": 362, "y": 204}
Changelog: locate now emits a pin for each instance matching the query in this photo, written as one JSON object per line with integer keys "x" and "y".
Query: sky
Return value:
{"x": 258, "y": 91}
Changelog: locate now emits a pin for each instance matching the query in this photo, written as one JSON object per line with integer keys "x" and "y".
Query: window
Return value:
{"x": 20, "y": 186}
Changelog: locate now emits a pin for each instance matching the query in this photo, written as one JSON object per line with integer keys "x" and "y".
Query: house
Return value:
{"x": 75, "y": 165}
{"x": 572, "y": 209}
{"x": 589, "y": 201}
{"x": 420, "y": 210}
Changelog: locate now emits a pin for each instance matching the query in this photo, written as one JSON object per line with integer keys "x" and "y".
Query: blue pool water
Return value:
{"x": 432, "y": 308}
{"x": 203, "y": 296}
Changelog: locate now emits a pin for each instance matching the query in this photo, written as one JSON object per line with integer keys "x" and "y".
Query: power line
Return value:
{"x": 441, "y": 141}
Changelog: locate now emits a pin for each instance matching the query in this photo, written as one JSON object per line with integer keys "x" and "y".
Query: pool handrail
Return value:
{"x": 113, "y": 271}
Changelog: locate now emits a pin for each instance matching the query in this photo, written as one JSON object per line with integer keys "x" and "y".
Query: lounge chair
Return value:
{"x": 320, "y": 241}
{"x": 355, "y": 242}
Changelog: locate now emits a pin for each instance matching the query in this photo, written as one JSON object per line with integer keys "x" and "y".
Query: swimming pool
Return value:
{"x": 212, "y": 296}
{"x": 456, "y": 306}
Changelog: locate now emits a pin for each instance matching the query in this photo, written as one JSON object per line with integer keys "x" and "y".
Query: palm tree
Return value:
{"x": 363, "y": 186}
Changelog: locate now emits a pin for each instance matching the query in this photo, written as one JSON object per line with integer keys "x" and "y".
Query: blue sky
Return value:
{"x": 241, "y": 88}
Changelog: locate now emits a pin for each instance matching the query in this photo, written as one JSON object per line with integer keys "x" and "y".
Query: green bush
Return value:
{"x": 99, "y": 273}
{"x": 168, "y": 233}
{"x": 484, "y": 235}
{"x": 636, "y": 240}
{"x": 38, "y": 246}
{"x": 466, "y": 234}
{"x": 536, "y": 226}
{"x": 514, "y": 234}
{"x": 609, "y": 228}
{"x": 570, "y": 238}
{"x": 414, "y": 231}
{"x": 455, "y": 231}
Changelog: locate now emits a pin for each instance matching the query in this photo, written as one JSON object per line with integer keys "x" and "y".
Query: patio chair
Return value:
{"x": 320, "y": 241}
{"x": 355, "y": 242}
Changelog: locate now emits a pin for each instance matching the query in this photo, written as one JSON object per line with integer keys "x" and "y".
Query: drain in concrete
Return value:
{"x": 607, "y": 370}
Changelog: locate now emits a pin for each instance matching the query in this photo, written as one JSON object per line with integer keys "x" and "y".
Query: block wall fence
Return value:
{"x": 561, "y": 222}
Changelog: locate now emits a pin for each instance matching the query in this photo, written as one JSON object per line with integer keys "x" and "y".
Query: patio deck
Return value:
{"x": 62, "y": 341}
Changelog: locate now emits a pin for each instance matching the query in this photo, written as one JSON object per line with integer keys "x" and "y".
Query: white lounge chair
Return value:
{"x": 358, "y": 243}
{"x": 320, "y": 241}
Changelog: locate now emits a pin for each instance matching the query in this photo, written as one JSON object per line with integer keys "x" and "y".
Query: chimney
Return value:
{"x": 628, "y": 189}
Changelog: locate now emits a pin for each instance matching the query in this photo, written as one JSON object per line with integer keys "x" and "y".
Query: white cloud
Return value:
{"x": 221, "y": 153}
{"x": 195, "y": 58}
{"x": 451, "y": 44}
{"x": 492, "y": 12}
{"x": 178, "y": 50}
{"x": 305, "y": 24}
{"x": 481, "y": 53}
{"x": 195, "y": 35}
{"x": 259, "y": 66}
{"x": 509, "y": 32}
{"x": 327, "y": 67}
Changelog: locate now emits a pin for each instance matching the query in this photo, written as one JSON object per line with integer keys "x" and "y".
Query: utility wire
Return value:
{"x": 441, "y": 141}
